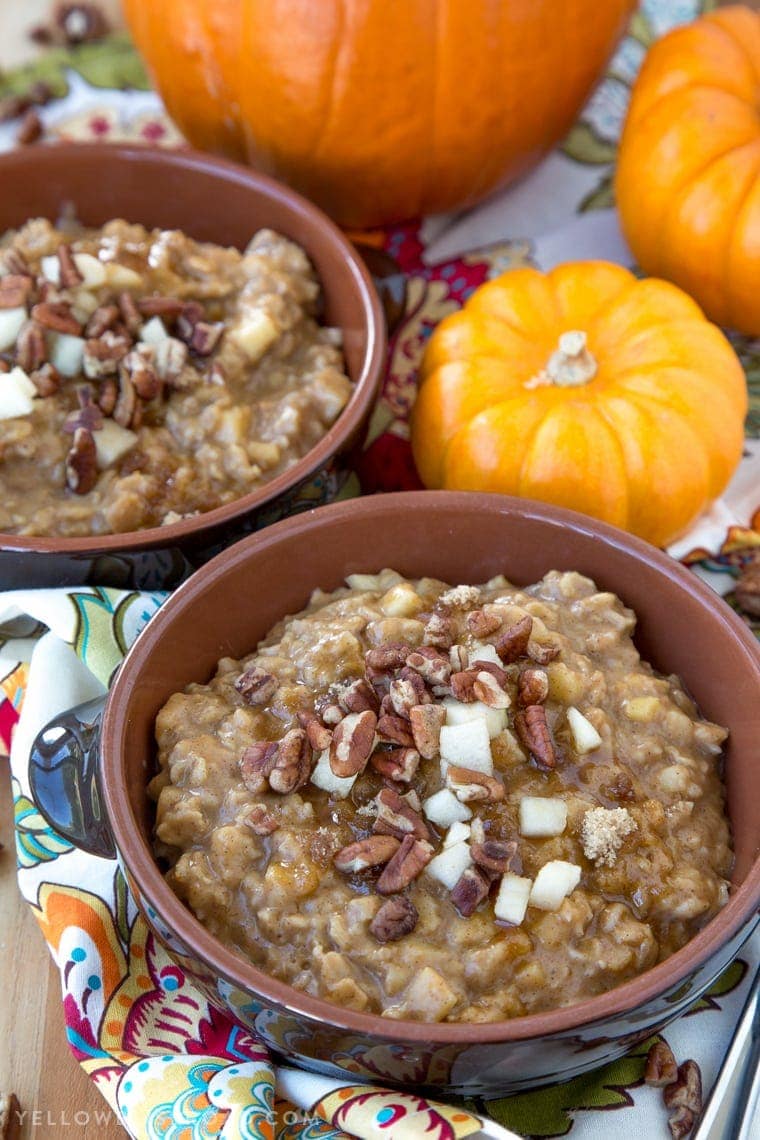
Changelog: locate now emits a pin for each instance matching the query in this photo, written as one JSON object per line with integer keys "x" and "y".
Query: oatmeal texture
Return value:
{"x": 445, "y": 804}
{"x": 146, "y": 377}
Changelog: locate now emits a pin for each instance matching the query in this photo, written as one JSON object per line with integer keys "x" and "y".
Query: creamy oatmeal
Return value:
{"x": 146, "y": 377}
{"x": 445, "y": 803}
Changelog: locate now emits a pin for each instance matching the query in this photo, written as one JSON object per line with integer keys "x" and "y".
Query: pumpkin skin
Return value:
{"x": 379, "y": 110}
{"x": 688, "y": 175}
{"x": 645, "y": 444}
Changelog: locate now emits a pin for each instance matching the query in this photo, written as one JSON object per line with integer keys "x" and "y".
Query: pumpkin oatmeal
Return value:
{"x": 146, "y": 377}
{"x": 445, "y": 803}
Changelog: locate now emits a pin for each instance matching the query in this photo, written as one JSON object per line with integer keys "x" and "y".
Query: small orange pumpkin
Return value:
{"x": 587, "y": 388}
{"x": 688, "y": 175}
{"x": 378, "y": 110}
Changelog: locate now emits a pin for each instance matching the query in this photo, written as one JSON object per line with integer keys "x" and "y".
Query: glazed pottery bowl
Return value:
{"x": 211, "y": 200}
{"x": 233, "y": 601}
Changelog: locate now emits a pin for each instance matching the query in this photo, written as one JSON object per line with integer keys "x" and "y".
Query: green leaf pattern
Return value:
{"x": 36, "y": 842}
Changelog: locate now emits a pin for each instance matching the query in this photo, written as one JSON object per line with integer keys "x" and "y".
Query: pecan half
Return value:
{"x": 488, "y": 690}
{"x": 399, "y": 764}
{"x": 532, "y": 687}
{"x": 481, "y": 624}
{"x": 81, "y": 463}
{"x": 533, "y": 732}
{"x": 31, "y": 349}
{"x": 426, "y": 722}
{"x": 395, "y": 729}
{"x": 56, "y": 315}
{"x": 371, "y": 852}
{"x": 256, "y": 686}
{"x": 439, "y": 631}
{"x": 102, "y": 355}
{"x": 396, "y": 918}
{"x": 493, "y": 855}
{"x": 513, "y": 643}
{"x": 14, "y": 290}
{"x": 463, "y": 685}
{"x": 69, "y": 274}
{"x": 261, "y": 821}
{"x": 291, "y": 762}
{"x": 432, "y": 665}
{"x": 406, "y": 690}
{"x": 47, "y": 380}
{"x": 409, "y": 861}
{"x": 396, "y": 817}
{"x": 468, "y": 785}
{"x": 352, "y": 743}
{"x": 684, "y": 1096}
{"x": 661, "y": 1068}
{"x": 469, "y": 891}
{"x": 386, "y": 658}
{"x": 126, "y": 412}
{"x": 255, "y": 765}
{"x": 102, "y": 319}
{"x": 358, "y": 697}
{"x": 318, "y": 735}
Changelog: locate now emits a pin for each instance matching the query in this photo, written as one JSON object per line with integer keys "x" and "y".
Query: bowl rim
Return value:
{"x": 365, "y": 387}
{"x": 734, "y": 919}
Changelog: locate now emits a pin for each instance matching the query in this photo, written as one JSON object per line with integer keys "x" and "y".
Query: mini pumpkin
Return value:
{"x": 688, "y": 175}
{"x": 587, "y": 388}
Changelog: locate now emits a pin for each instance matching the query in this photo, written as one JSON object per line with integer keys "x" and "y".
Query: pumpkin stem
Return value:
{"x": 572, "y": 364}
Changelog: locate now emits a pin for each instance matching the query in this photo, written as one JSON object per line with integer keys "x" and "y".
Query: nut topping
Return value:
{"x": 352, "y": 743}
{"x": 468, "y": 785}
{"x": 70, "y": 275}
{"x": 406, "y": 690}
{"x": 81, "y": 463}
{"x": 56, "y": 315}
{"x": 126, "y": 410}
{"x": 371, "y": 852}
{"x": 261, "y": 821}
{"x": 396, "y": 918}
{"x": 256, "y": 686}
{"x": 358, "y": 697}
{"x": 463, "y": 685}
{"x": 129, "y": 313}
{"x": 481, "y": 624}
{"x": 494, "y": 856}
{"x": 534, "y": 733}
{"x": 439, "y": 631}
{"x": 394, "y": 729}
{"x": 256, "y": 764}
{"x": 88, "y": 415}
{"x": 488, "y": 690}
{"x": 102, "y": 355}
{"x": 103, "y": 318}
{"x": 661, "y": 1068}
{"x": 169, "y": 307}
{"x": 291, "y": 762}
{"x": 532, "y": 687}
{"x": 542, "y": 654}
{"x": 205, "y": 337}
{"x": 684, "y": 1096}
{"x": 318, "y": 735}
{"x": 14, "y": 290}
{"x": 469, "y": 891}
{"x": 47, "y": 380}
{"x": 399, "y": 764}
{"x": 31, "y": 350}
{"x": 434, "y": 667}
{"x": 386, "y": 658}
{"x": 409, "y": 861}
{"x": 396, "y": 817}
{"x": 426, "y": 722}
{"x": 513, "y": 643}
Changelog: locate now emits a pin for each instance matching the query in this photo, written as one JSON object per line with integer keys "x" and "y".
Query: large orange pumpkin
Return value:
{"x": 378, "y": 110}
{"x": 688, "y": 177}
{"x": 587, "y": 388}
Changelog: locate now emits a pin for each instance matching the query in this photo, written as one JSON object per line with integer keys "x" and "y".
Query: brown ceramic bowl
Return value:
{"x": 211, "y": 200}
{"x": 231, "y": 602}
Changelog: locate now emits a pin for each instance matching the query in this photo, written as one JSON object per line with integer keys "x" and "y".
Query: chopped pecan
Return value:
{"x": 206, "y": 337}
{"x": 371, "y": 852}
{"x": 432, "y": 665}
{"x": 406, "y": 690}
{"x": 139, "y": 364}
{"x": 488, "y": 690}
{"x": 499, "y": 674}
{"x": 14, "y": 290}
{"x": 358, "y": 697}
{"x": 318, "y": 734}
{"x": 386, "y": 658}
{"x": 661, "y": 1068}
{"x": 513, "y": 643}
{"x": 352, "y": 743}
{"x": 469, "y": 891}
{"x": 330, "y": 712}
{"x": 102, "y": 355}
{"x": 108, "y": 395}
{"x": 192, "y": 313}
{"x": 542, "y": 654}
{"x": 125, "y": 410}
{"x": 468, "y": 785}
{"x": 426, "y": 722}
{"x": 70, "y": 276}
{"x": 129, "y": 313}
{"x": 81, "y": 462}
{"x": 458, "y": 658}
{"x": 171, "y": 358}
{"x": 56, "y": 315}
{"x": 493, "y": 855}
{"x": 103, "y": 318}
{"x": 31, "y": 128}
{"x": 291, "y": 765}
{"x": 533, "y": 732}
{"x": 747, "y": 588}
{"x": 261, "y": 821}
{"x": 398, "y": 764}
{"x": 532, "y": 687}
{"x": 169, "y": 307}
{"x": 256, "y": 686}
{"x": 439, "y": 631}
{"x": 47, "y": 380}
{"x": 684, "y": 1096}
{"x": 396, "y": 918}
{"x": 395, "y": 729}
{"x": 396, "y": 817}
{"x": 409, "y": 861}
{"x": 463, "y": 685}
{"x": 31, "y": 349}
{"x": 481, "y": 624}
{"x": 14, "y": 261}
{"x": 256, "y": 763}
{"x": 88, "y": 415}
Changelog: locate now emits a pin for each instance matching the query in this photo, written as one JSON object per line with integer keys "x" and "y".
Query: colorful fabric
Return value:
{"x": 169, "y": 1063}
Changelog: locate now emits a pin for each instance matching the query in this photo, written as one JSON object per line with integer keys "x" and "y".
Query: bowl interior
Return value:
{"x": 226, "y": 607}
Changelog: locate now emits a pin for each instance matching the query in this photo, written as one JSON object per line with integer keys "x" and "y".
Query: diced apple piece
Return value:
{"x": 112, "y": 442}
{"x": 66, "y": 353}
{"x": 542, "y": 816}
{"x": 93, "y": 271}
{"x": 445, "y": 809}
{"x": 363, "y": 582}
{"x": 512, "y": 900}
{"x": 11, "y": 323}
{"x": 153, "y": 331}
{"x": 553, "y": 883}
{"x": 17, "y": 394}
{"x": 461, "y": 712}
{"x": 483, "y": 651}
{"x": 51, "y": 268}
{"x": 429, "y": 997}
{"x": 585, "y": 736}
{"x": 255, "y": 333}
{"x": 459, "y": 832}
{"x": 467, "y": 745}
{"x": 448, "y": 865}
{"x": 324, "y": 777}
{"x": 401, "y": 601}
{"x": 121, "y": 276}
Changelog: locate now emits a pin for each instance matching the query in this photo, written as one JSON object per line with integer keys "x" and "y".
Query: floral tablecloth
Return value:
{"x": 168, "y": 1063}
